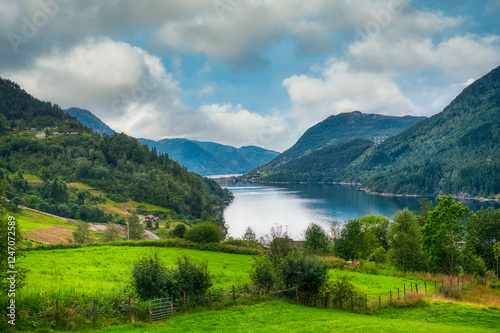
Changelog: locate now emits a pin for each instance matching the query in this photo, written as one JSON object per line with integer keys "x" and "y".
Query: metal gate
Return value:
{"x": 160, "y": 309}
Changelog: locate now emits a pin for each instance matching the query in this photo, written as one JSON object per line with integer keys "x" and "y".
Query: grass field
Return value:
{"x": 375, "y": 285}
{"x": 28, "y": 220}
{"x": 279, "y": 316}
{"x": 103, "y": 270}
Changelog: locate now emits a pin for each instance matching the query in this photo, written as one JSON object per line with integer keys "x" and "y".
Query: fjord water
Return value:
{"x": 295, "y": 206}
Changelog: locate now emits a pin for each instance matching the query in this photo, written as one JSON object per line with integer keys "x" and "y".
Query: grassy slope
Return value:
{"x": 107, "y": 269}
{"x": 376, "y": 285}
{"x": 28, "y": 220}
{"x": 276, "y": 316}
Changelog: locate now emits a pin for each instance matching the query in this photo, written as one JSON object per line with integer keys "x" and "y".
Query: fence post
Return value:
{"x": 411, "y": 287}
{"x": 328, "y": 300}
{"x": 210, "y": 299}
{"x": 94, "y": 312}
{"x": 57, "y": 312}
{"x": 416, "y": 288}
{"x": 379, "y": 302}
{"x": 404, "y": 291}
{"x": 184, "y": 294}
{"x": 297, "y": 294}
{"x": 398, "y": 294}
{"x": 234, "y": 297}
{"x": 129, "y": 310}
{"x": 390, "y": 296}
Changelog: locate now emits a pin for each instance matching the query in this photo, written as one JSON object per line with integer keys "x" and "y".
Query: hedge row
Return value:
{"x": 176, "y": 242}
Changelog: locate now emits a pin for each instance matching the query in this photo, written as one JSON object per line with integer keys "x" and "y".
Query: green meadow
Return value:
{"x": 281, "y": 316}
{"x": 105, "y": 269}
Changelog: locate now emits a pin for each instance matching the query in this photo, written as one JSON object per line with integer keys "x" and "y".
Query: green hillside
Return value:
{"x": 323, "y": 165}
{"x": 117, "y": 165}
{"x": 455, "y": 151}
{"x": 343, "y": 128}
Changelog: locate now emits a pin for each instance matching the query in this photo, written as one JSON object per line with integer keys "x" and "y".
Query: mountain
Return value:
{"x": 323, "y": 165}
{"x": 209, "y": 158}
{"x": 90, "y": 120}
{"x": 456, "y": 151}
{"x": 117, "y": 165}
{"x": 343, "y": 128}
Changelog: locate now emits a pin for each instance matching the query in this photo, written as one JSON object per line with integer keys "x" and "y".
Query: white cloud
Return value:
{"x": 341, "y": 89}
{"x": 131, "y": 91}
{"x": 207, "y": 90}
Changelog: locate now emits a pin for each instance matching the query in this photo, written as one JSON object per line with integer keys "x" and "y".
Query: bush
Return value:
{"x": 379, "y": 255}
{"x": 307, "y": 272}
{"x": 342, "y": 290}
{"x": 151, "y": 278}
{"x": 179, "y": 231}
{"x": 264, "y": 273}
{"x": 191, "y": 277}
{"x": 204, "y": 233}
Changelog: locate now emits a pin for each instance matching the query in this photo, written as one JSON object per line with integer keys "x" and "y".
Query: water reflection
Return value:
{"x": 298, "y": 205}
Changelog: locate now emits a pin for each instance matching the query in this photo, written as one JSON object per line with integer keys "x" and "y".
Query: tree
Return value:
{"x": 405, "y": 237}
{"x": 206, "y": 232}
{"x": 135, "y": 230}
{"x": 249, "y": 235}
{"x": 111, "y": 233}
{"x": 426, "y": 206}
{"x": 82, "y": 233}
{"x": 352, "y": 242}
{"x": 316, "y": 239}
{"x": 496, "y": 253}
{"x": 442, "y": 233}
{"x": 377, "y": 226}
{"x": 179, "y": 231}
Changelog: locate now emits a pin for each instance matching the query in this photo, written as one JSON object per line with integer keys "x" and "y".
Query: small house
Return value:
{"x": 72, "y": 132}
{"x": 40, "y": 135}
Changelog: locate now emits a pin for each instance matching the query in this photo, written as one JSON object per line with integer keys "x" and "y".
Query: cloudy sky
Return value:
{"x": 246, "y": 72}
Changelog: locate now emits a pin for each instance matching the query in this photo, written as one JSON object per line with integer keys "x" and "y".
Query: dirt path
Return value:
{"x": 47, "y": 214}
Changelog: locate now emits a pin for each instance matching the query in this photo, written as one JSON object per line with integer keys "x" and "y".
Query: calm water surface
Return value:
{"x": 298, "y": 205}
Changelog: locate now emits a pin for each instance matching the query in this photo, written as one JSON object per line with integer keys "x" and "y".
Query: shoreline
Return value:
{"x": 464, "y": 197}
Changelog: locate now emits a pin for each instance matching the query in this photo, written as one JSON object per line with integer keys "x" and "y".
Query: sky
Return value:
{"x": 246, "y": 72}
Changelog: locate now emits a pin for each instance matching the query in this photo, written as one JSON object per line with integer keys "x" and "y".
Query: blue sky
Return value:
{"x": 254, "y": 72}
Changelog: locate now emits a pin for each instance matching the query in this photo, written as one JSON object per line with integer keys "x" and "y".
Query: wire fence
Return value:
{"x": 128, "y": 307}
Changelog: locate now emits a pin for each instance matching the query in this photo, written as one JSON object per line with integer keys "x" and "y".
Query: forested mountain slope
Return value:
{"x": 343, "y": 128}
{"x": 88, "y": 119}
{"x": 118, "y": 165}
{"x": 455, "y": 151}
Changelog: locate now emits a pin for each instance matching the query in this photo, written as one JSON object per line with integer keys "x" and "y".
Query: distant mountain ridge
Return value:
{"x": 343, "y": 128}
{"x": 210, "y": 158}
{"x": 88, "y": 119}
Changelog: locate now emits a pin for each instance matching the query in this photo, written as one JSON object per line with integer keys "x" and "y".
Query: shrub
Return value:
{"x": 204, "y": 233}
{"x": 179, "y": 231}
{"x": 307, "y": 272}
{"x": 151, "y": 278}
{"x": 342, "y": 290}
{"x": 264, "y": 273}
{"x": 379, "y": 255}
{"x": 191, "y": 277}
